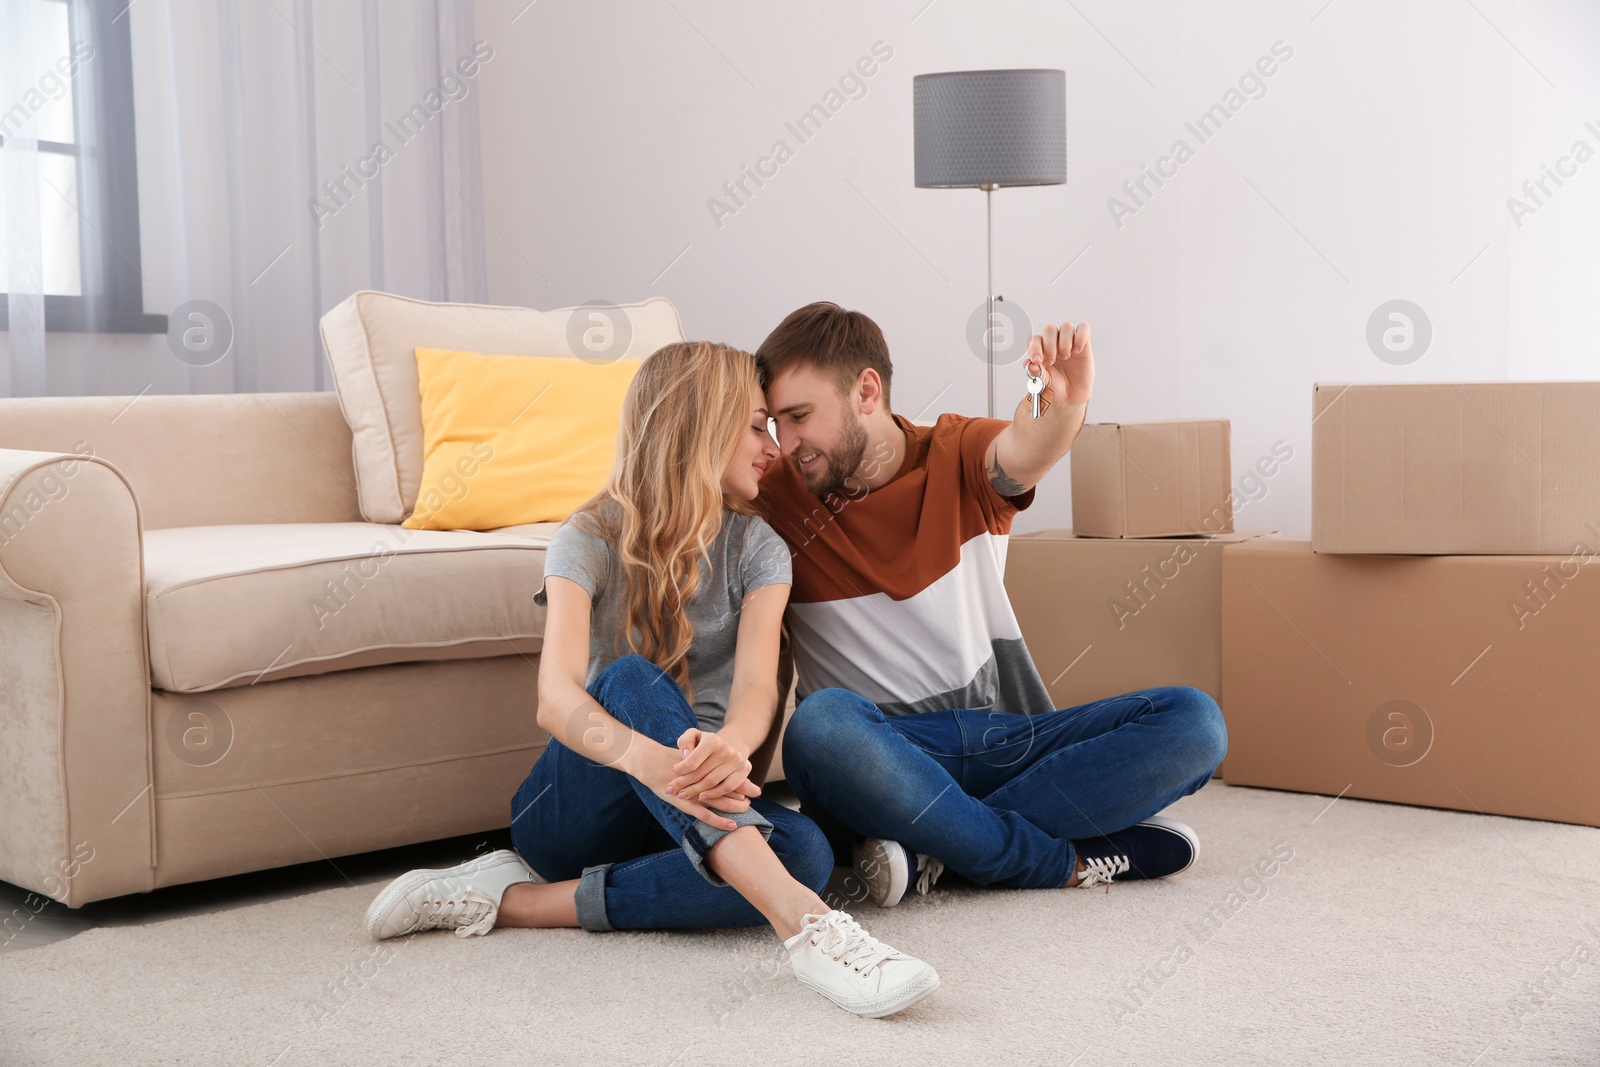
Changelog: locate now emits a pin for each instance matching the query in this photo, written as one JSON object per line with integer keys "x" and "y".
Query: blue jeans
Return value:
{"x": 999, "y": 798}
{"x": 640, "y": 861}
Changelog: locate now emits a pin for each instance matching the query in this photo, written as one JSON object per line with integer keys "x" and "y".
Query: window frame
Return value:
{"x": 115, "y": 179}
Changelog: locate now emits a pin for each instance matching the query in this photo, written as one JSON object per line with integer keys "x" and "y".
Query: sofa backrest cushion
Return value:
{"x": 371, "y": 339}
{"x": 205, "y": 459}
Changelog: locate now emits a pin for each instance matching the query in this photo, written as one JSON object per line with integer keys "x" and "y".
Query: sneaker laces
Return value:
{"x": 1098, "y": 869}
{"x": 472, "y": 913}
{"x": 842, "y": 939}
{"x": 928, "y": 872}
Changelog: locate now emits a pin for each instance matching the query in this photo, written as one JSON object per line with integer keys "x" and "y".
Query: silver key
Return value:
{"x": 1035, "y": 387}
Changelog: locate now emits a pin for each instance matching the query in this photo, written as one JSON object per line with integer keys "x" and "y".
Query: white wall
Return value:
{"x": 1376, "y": 166}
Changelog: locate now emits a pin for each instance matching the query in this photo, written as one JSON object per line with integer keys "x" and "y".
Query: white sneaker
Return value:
{"x": 834, "y": 956}
{"x": 887, "y": 868}
{"x": 465, "y": 897}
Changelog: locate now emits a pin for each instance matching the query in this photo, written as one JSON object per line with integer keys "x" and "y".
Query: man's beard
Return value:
{"x": 841, "y": 462}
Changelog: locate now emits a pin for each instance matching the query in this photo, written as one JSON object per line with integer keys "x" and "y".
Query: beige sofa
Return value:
{"x": 212, "y": 662}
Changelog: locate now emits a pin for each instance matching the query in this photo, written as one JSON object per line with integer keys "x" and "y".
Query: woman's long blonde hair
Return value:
{"x": 682, "y": 419}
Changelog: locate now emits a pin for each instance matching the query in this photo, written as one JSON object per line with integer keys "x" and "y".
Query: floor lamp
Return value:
{"x": 984, "y": 129}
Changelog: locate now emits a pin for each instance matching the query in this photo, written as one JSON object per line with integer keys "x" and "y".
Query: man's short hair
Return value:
{"x": 824, "y": 335}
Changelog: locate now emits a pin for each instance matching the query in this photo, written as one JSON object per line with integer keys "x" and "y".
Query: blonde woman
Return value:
{"x": 658, "y": 684}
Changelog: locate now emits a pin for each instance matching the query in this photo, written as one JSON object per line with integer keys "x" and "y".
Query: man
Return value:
{"x": 924, "y": 737}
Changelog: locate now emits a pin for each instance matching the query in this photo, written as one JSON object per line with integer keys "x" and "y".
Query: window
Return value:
{"x": 80, "y": 102}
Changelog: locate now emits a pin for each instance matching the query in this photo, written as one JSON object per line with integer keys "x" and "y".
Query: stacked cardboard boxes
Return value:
{"x": 1433, "y": 643}
{"x": 1103, "y": 617}
{"x": 1131, "y": 598}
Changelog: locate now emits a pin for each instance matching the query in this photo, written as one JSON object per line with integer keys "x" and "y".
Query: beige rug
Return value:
{"x": 1380, "y": 935}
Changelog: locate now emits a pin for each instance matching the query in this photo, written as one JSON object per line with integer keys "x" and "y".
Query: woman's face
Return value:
{"x": 755, "y": 452}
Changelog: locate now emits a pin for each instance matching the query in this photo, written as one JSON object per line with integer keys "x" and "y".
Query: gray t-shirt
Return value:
{"x": 746, "y": 555}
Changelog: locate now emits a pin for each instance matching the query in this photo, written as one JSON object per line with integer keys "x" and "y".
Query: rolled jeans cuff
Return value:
{"x": 699, "y": 837}
{"x": 590, "y": 899}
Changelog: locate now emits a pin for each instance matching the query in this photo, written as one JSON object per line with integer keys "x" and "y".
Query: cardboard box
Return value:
{"x": 1103, "y": 617}
{"x": 1152, "y": 479}
{"x": 1463, "y": 682}
{"x": 1499, "y": 468}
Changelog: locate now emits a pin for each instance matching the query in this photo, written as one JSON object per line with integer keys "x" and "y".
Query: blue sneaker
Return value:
{"x": 1156, "y": 848}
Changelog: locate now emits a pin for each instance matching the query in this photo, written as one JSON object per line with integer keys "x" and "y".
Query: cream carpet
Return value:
{"x": 1382, "y": 935}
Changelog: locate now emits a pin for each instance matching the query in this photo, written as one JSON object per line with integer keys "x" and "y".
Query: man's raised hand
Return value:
{"x": 1062, "y": 355}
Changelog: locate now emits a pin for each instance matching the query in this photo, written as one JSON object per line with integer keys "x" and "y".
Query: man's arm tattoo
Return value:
{"x": 1003, "y": 483}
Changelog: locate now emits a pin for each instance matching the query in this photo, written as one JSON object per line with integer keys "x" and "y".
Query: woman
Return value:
{"x": 644, "y": 810}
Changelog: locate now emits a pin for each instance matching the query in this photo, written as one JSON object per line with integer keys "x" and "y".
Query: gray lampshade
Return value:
{"x": 999, "y": 127}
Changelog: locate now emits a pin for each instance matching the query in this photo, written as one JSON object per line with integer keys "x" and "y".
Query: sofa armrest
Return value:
{"x": 76, "y": 804}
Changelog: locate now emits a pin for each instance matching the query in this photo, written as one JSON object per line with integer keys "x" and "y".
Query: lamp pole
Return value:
{"x": 988, "y": 321}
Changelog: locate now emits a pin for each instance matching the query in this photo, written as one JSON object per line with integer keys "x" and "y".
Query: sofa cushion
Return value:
{"x": 234, "y": 605}
{"x": 539, "y": 531}
{"x": 371, "y": 339}
{"x": 514, "y": 439}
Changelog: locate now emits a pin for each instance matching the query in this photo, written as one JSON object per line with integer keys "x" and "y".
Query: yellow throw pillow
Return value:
{"x": 513, "y": 439}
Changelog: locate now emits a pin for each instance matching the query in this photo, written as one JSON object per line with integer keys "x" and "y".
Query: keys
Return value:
{"x": 1035, "y": 387}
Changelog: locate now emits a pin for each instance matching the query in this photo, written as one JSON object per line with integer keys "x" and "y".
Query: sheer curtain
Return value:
{"x": 22, "y": 272}
{"x": 290, "y": 152}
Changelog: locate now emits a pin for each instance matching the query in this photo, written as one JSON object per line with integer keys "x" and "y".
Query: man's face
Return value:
{"x": 817, "y": 425}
